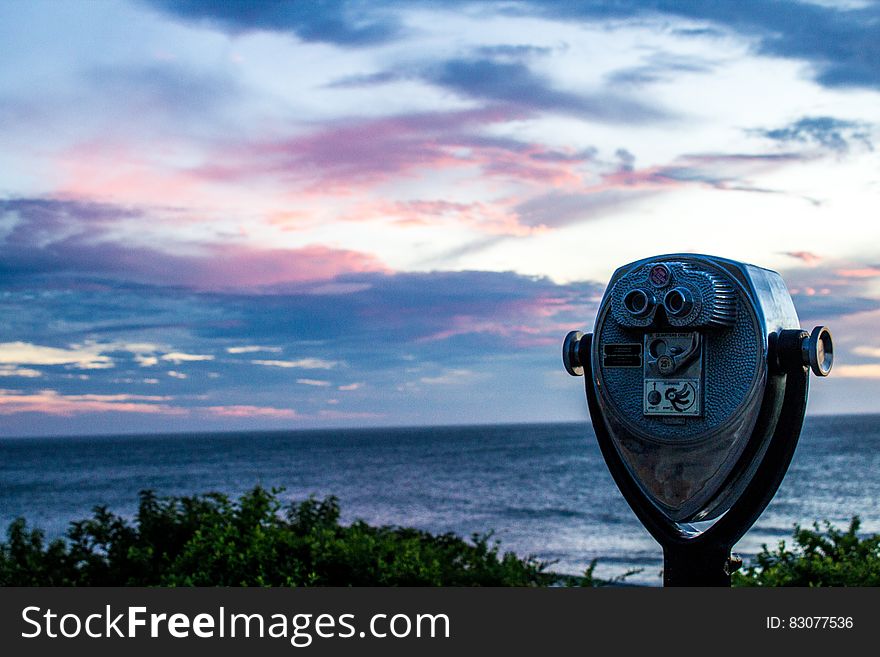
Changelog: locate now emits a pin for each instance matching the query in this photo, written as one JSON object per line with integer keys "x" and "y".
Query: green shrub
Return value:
{"x": 208, "y": 540}
{"x": 828, "y": 557}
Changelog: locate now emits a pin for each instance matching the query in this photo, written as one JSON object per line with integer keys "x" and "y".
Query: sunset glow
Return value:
{"x": 234, "y": 215}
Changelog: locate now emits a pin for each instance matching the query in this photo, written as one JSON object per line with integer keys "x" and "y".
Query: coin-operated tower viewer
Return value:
{"x": 696, "y": 377}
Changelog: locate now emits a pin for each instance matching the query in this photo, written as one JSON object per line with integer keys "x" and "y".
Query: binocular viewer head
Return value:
{"x": 687, "y": 364}
{"x": 682, "y": 294}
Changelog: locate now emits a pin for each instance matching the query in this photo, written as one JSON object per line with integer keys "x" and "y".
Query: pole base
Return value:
{"x": 696, "y": 565}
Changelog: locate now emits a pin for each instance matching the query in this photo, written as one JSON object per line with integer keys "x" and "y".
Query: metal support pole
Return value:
{"x": 696, "y": 565}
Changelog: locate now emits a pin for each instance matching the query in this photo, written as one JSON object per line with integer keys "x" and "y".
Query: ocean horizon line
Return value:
{"x": 371, "y": 428}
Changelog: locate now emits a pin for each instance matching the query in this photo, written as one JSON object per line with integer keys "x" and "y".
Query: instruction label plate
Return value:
{"x": 672, "y": 397}
{"x": 627, "y": 354}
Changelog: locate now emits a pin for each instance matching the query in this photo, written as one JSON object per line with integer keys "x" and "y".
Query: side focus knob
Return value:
{"x": 570, "y": 356}
{"x": 818, "y": 351}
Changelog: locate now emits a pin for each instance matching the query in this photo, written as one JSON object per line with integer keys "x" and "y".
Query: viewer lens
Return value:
{"x": 678, "y": 302}
{"x": 637, "y": 303}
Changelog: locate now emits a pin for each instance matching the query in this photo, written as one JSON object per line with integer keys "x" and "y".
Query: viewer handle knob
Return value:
{"x": 818, "y": 351}
{"x": 571, "y": 353}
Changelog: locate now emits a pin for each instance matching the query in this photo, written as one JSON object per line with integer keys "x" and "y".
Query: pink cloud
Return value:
{"x": 293, "y": 183}
{"x": 860, "y": 272}
{"x": 351, "y": 153}
{"x": 120, "y": 172}
{"x": 805, "y": 256}
{"x": 231, "y": 266}
{"x": 79, "y": 237}
{"x": 533, "y": 164}
{"x": 494, "y": 218}
{"x": 51, "y": 402}
{"x": 355, "y": 154}
{"x": 245, "y": 411}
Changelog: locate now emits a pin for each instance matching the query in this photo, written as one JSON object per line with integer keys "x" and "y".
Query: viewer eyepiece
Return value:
{"x": 678, "y": 302}
{"x": 638, "y": 303}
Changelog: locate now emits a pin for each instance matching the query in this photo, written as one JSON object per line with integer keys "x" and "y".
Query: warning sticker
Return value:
{"x": 672, "y": 397}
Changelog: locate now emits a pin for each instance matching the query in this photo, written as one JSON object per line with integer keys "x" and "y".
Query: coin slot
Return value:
{"x": 657, "y": 348}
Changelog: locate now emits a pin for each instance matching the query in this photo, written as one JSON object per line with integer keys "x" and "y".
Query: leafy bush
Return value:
{"x": 820, "y": 558}
{"x": 209, "y": 540}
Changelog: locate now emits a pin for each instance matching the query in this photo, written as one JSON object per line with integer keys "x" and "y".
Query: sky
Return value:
{"x": 228, "y": 216}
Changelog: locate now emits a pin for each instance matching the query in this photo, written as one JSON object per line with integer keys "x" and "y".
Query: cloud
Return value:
{"x": 514, "y": 84}
{"x": 26, "y": 372}
{"x": 247, "y": 411}
{"x": 870, "y": 371}
{"x": 871, "y": 352}
{"x": 51, "y": 402}
{"x": 318, "y": 383}
{"x": 43, "y": 221}
{"x": 628, "y": 184}
{"x": 355, "y": 152}
{"x": 302, "y": 363}
{"x": 867, "y": 271}
{"x": 338, "y": 157}
{"x": 81, "y": 356}
{"x": 832, "y": 289}
{"x": 366, "y": 80}
{"x": 557, "y": 209}
{"x": 72, "y": 237}
{"x": 350, "y": 415}
{"x": 177, "y": 357}
{"x": 251, "y": 349}
{"x": 495, "y": 218}
{"x": 435, "y": 331}
{"x": 806, "y": 257}
{"x": 367, "y": 321}
{"x": 445, "y": 314}
{"x": 351, "y": 23}
{"x": 659, "y": 67}
{"x": 513, "y": 51}
{"x": 857, "y": 351}
{"x": 823, "y": 131}
{"x": 379, "y": 325}
{"x": 722, "y": 171}
{"x": 825, "y": 306}
{"x": 839, "y": 41}
{"x": 449, "y": 377}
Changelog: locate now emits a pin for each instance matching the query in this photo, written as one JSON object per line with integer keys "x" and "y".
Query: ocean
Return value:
{"x": 543, "y": 489}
